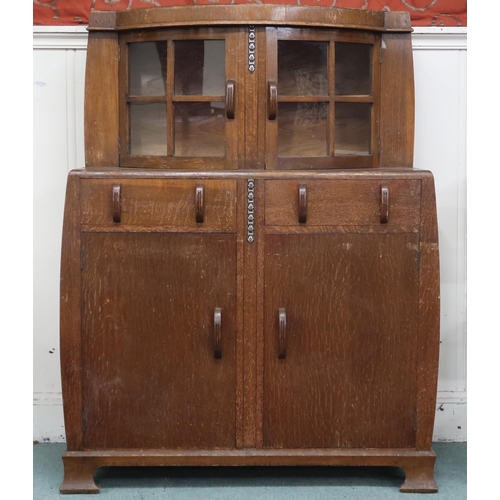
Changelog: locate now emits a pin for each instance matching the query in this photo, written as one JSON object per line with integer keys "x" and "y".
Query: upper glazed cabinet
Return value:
{"x": 253, "y": 89}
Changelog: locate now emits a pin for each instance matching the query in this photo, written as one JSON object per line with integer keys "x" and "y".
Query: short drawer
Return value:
{"x": 182, "y": 204}
{"x": 343, "y": 202}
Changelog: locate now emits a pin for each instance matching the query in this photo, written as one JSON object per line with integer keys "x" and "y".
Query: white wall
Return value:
{"x": 440, "y": 56}
{"x": 58, "y": 79}
{"x": 440, "y": 60}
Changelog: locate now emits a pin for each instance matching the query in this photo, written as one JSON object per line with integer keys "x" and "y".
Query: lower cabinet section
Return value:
{"x": 184, "y": 342}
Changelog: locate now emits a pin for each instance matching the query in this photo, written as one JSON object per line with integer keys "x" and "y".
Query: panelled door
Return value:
{"x": 340, "y": 333}
{"x": 159, "y": 334}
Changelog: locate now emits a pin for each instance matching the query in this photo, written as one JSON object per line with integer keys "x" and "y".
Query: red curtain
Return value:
{"x": 422, "y": 12}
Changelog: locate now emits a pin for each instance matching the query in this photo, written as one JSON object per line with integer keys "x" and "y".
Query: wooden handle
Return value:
{"x": 218, "y": 333}
{"x": 230, "y": 99}
{"x": 200, "y": 204}
{"x": 117, "y": 208}
{"x": 272, "y": 101}
{"x": 384, "y": 203}
{"x": 282, "y": 333}
{"x": 302, "y": 203}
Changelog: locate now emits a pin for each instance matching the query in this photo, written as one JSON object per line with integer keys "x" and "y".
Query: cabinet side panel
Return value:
{"x": 397, "y": 103}
{"x": 429, "y": 317}
{"x": 101, "y": 101}
{"x": 70, "y": 326}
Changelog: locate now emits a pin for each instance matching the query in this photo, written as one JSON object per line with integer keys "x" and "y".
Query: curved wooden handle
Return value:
{"x": 200, "y": 203}
{"x": 117, "y": 208}
{"x": 281, "y": 333}
{"x": 230, "y": 99}
{"x": 384, "y": 203}
{"x": 218, "y": 333}
{"x": 302, "y": 203}
{"x": 272, "y": 101}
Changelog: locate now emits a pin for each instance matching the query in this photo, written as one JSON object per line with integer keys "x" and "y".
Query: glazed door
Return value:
{"x": 340, "y": 337}
{"x": 180, "y": 98}
{"x": 322, "y": 99}
{"x": 159, "y": 326}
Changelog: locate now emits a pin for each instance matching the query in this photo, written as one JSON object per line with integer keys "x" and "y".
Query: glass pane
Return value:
{"x": 200, "y": 67}
{"x": 353, "y": 69}
{"x": 302, "y": 68}
{"x": 200, "y": 129}
{"x": 352, "y": 128}
{"x": 302, "y": 129}
{"x": 148, "y": 129}
{"x": 148, "y": 68}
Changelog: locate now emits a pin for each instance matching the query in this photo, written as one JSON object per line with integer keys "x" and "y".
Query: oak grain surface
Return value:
{"x": 148, "y": 309}
{"x": 101, "y": 116}
{"x": 342, "y": 202}
{"x": 161, "y": 203}
{"x": 348, "y": 379}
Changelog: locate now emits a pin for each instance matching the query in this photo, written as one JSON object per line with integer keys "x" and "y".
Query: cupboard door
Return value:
{"x": 158, "y": 337}
{"x": 179, "y": 95}
{"x": 340, "y": 330}
{"x": 322, "y": 100}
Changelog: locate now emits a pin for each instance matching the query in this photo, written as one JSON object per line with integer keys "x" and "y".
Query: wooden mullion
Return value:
{"x": 375, "y": 117}
{"x": 169, "y": 91}
{"x": 354, "y": 98}
{"x": 123, "y": 68}
{"x": 331, "y": 106}
{"x": 303, "y": 98}
{"x": 145, "y": 99}
{"x": 198, "y": 98}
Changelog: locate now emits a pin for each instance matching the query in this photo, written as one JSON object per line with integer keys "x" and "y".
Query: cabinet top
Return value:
{"x": 277, "y": 15}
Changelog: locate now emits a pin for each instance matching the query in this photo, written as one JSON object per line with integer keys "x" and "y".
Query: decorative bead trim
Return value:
{"x": 251, "y": 49}
{"x": 250, "y": 210}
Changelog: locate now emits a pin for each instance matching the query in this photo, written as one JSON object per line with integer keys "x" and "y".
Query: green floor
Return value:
{"x": 255, "y": 483}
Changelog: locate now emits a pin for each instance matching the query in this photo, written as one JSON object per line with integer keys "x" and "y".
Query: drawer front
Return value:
{"x": 182, "y": 204}
{"x": 343, "y": 202}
